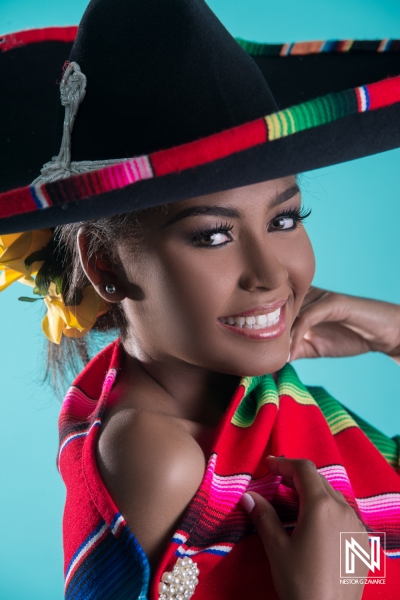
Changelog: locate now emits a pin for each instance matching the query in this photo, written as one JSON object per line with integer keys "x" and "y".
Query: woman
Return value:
{"x": 205, "y": 291}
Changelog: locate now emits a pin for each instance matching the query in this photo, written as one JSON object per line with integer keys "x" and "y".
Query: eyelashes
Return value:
{"x": 203, "y": 237}
{"x": 219, "y": 235}
{"x": 297, "y": 214}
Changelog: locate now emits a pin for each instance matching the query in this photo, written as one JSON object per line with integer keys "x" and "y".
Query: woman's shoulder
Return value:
{"x": 152, "y": 466}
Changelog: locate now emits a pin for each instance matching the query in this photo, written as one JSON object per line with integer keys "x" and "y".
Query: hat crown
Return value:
{"x": 159, "y": 74}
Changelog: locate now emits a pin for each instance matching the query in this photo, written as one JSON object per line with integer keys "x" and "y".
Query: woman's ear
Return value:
{"x": 100, "y": 271}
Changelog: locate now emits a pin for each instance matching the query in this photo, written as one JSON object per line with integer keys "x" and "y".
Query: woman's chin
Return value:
{"x": 257, "y": 368}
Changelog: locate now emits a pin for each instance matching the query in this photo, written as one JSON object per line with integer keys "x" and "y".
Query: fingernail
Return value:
{"x": 247, "y": 502}
{"x": 288, "y": 358}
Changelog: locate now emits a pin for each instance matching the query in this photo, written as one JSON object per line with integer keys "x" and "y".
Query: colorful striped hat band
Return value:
{"x": 73, "y": 91}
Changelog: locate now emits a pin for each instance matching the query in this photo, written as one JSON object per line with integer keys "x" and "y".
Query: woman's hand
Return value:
{"x": 331, "y": 324}
{"x": 306, "y": 565}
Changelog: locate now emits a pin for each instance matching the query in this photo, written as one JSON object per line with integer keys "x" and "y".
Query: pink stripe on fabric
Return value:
{"x": 78, "y": 404}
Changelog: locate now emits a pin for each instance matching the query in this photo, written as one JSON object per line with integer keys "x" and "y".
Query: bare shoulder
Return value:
{"x": 152, "y": 467}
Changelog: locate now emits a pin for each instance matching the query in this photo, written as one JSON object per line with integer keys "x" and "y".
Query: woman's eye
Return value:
{"x": 212, "y": 239}
{"x": 283, "y": 223}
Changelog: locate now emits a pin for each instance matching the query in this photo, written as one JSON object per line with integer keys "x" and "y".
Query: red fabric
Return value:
{"x": 16, "y": 202}
{"x": 209, "y": 149}
{"x": 384, "y": 93}
{"x": 215, "y": 526}
{"x": 35, "y": 36}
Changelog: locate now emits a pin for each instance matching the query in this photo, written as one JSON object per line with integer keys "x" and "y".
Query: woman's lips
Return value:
{"x": 259, "y": 326}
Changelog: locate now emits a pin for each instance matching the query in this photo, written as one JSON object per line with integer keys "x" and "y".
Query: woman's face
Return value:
{"x": 218, "y": 280}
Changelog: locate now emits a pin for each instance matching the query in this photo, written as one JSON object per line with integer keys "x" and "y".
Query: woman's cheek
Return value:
{"x": 304, "y": 266}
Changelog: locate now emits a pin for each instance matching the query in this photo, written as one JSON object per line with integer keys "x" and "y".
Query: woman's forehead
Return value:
{"x": 269, "y": 190}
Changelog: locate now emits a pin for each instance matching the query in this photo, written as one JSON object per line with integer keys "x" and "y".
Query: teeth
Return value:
{"x": 250, "y": 320}
{"x": 258, "y": 322}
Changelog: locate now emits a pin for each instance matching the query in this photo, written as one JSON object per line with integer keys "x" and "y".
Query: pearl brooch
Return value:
{"x": 179, "y": 584}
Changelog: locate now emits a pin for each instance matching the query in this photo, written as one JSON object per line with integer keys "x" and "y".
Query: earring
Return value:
{"x": 110, "y": 288}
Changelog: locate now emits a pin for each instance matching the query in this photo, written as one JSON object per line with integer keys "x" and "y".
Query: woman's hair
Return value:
{"x": 67, "y": 358}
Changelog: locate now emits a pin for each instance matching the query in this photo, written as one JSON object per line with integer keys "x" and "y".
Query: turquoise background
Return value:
{"x": 355, "y": 232}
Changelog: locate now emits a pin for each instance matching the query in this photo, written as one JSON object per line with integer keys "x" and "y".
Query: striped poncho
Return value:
{"x": 103, "y": 559}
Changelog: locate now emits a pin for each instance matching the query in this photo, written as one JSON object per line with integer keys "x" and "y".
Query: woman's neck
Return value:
{"x": 177, "y": 389}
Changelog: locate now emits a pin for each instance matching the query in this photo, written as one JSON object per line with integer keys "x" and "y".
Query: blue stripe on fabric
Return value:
{"x": 115, "y": 519}
{"x": 387, "y": 45}
{"x": 105, "y": 566}
{"x": 289, "y": 49}
{"x": 367, "y": 98}
{"x": 73, "y": 437}
{"x": 37, "y": 200}
{"x": 329, "y": 45}
{"x": 81, "y": 547}
{"x": 116, "y": 568}
{"x": 217, "y": 552}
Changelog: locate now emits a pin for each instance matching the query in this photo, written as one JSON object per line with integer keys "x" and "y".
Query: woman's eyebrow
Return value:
{"x": 224, "y": 211}
{"x": 207, "y": 209}
{"x": 285, "y": 195}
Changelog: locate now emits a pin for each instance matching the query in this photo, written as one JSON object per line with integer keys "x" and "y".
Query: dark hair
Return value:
{"x": 68, "y": 358}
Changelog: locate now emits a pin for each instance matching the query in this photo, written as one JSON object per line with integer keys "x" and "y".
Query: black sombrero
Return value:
{"x": 181, "y": 107}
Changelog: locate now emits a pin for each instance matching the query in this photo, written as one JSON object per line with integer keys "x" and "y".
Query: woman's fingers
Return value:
{"x": 266, "y": 521}
{"x": 331, "y": 324}
{"x": 306, "y": 479}
{"x": 324, "y": 307}
{"x": 288, "y": 482}
{"x": 336, "y": 494}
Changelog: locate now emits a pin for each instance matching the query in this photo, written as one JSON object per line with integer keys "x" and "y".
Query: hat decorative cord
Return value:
{"x": 73, "y": 91}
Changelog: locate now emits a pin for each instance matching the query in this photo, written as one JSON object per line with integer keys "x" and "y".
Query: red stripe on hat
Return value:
{"x": 209, "y": 149}
{"x": 16, "y": 202}
{"x": 35, "y": 36}
{"x": 384, "y": 93}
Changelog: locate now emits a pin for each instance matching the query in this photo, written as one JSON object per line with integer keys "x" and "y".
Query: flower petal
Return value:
{"x": 7, "y": 277}
{"x": 52, "y": 324}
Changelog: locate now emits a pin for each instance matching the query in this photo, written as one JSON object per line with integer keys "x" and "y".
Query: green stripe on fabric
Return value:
{"x": 258, "y": 391}
{"x": 257, "y": 49}
{"x": 289, "y": 384}
{"x": 335, "y": 414}
{"x": 340, "y": 418}
{"x": 313, "y": 113}
{"x": 387, "y": 446}
{"x": 263, "y": 390}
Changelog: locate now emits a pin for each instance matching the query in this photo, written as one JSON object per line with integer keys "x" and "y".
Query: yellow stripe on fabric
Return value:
{"x": 283, "y": 124}
{"x": 258, "y": 392}
{"x": 335, "y": 414}
{"x": 340, "y": 423}
{"x": 301, "y": 396}
{"x": 246, "y": 383}
{"x": 274, "y": 131}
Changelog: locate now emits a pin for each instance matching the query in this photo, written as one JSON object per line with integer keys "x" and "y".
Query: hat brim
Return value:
{"x": 310, "y": 131}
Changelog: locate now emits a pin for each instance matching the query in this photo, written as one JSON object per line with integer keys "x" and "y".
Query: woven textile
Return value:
{"x": 103, "y": 560}
{"x": 309, "y": 115}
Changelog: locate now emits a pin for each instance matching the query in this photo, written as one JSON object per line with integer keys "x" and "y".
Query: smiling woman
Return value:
{"x": 187, "y": 241}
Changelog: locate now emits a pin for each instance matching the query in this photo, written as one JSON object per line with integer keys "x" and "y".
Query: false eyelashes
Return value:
{"x": 203, "y": 237}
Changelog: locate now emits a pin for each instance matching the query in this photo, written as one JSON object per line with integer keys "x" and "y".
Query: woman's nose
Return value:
{"x": 262, "y": 268}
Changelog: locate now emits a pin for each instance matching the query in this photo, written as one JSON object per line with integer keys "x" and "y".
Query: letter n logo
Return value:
{"x": 354, "y": 554}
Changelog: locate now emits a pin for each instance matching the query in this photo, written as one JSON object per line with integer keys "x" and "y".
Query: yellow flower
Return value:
{"x": 14, "y": 249}
{"x": 72, "y": 321}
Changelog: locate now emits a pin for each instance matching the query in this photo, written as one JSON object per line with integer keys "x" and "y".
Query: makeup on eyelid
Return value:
{"x": 297, "y": 215}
